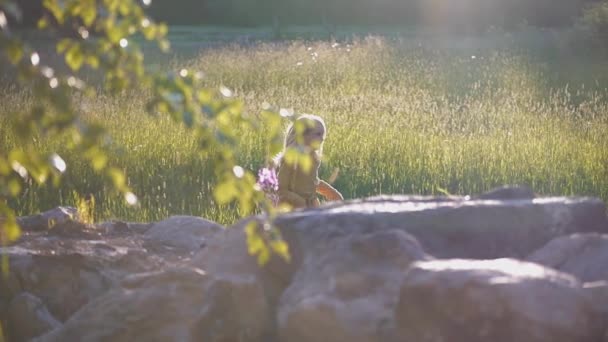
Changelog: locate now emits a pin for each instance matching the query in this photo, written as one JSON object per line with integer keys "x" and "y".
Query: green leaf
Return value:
{"x": 74, "y": 57}
{"x": 245, "y": 205}
{"x": 281, "y": 248}
{"x": 88, "y": 14}
{"x": 224, "y": 192}
{"x": 99, "y": 161}
{"x": 162, "y": 30}
{"x": 12, "y": 230}
{"x": 93, "y": 61}
{"x": 14, "y": 51}
{"x": 63, "y": 44}
{"x": 118, "y": 178}
{"x": 14, "y": 187}
{"x": 149, "y": 32}
{"x": 124, "y": 8}
{"x": 305, "y": 162}
{"x": 8, "y": 224}
{"x": 255, "y": 243}
{"x": 53, "y": 7}
{"x": 5, "y": 168}
{"x": 43, "y": 23}
{"x": 113, "y": 32}
{"x": 291, "y": 156}
{"x": 298, "y": 159}
{"x": 275, "y": 148}
{"x": 164, "y": 45}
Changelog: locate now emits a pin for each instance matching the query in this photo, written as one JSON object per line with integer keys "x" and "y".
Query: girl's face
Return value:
{"x": 313, "y": 136}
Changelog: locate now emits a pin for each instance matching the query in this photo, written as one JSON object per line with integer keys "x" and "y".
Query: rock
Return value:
{"x": 598, "y": 295}
{"x": 456, "y": 228}
{"x": 493, "y": 300}
{"x": 76, "y": 230}
{"x": 66, "y": 271}
{"x": 582, "y": 255}
{"x": 29, "y": 317}
{"x": 237, "y": 282}
{"x": 156, "y": 306}
{"x": 63, "y": 282}
{"x": 235, "y": 309}
{"x": 47, "y": 219}
{"x": 355, "y": 275}
{"x": 347, "y": 288}
{"x": 508, "y": 193}
{"x": 119, "y": 227}
{"x": 177, "y": 304}
{"x": 184, "y": 233}
{"x": 598, "y": 292}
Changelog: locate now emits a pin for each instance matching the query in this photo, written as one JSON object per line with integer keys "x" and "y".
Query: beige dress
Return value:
{"x": 299, "y": 188}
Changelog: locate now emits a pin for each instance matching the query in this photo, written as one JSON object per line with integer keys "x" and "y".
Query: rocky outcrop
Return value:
{"x": 156, "y": 306}
{"x": 70, "y": 264}
{"x": 364, "y": 270}
{"x": 347, "y": 288}
{"x": 583, "y": 255}
{"x": 239, "y": 282}
{"x": 453, "y": 227}
{"x": 29, "y": 317}
{"x": 493, "y": 300}
{"x": 47, "y": 219}
{"x": 182, "y": 233}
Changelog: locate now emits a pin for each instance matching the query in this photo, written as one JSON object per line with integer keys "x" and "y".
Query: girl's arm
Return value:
{"x": 285, "y": 195}
{"x": 328, "y": 191}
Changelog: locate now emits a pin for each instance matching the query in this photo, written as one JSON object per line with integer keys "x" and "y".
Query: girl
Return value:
{"x": 298, "y": 187}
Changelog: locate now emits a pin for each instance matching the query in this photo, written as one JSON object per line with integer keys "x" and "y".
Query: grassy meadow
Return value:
{"x": 402, "y": 117}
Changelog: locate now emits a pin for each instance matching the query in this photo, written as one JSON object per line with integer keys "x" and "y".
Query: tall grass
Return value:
{"x": 401, "y": 119}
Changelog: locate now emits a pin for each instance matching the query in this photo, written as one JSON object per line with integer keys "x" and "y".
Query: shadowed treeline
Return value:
{"x": 452, "y": 15}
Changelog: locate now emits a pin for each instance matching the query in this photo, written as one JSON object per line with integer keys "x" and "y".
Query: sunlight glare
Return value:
{"x": 238, "y": 171}
{"x": 284, "y": 112}
{"x": 35, "y": 58}
{"x": 20, "y": 169}
{"x": 83, "y": 32}
{"x": 48, "y": 72}
{"x": 3, "y": 20}
{"x": 225, "y": 91}
{"x": 131, "y": 198}
{"x": 58, "y": 163}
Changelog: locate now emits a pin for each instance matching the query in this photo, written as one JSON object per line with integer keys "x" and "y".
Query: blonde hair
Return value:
{"x": 311, "y": 122}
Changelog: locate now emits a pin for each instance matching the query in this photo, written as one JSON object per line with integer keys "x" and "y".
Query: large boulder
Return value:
{"x": 47, "y": 219}
{"x": 28, "y": 317}
{"x": 72, "y": 263}
{"x": 156, "y": 306}
{"x": 244, "y": 293}
{"x": 347, "y": 279}
{"x": 582, "y": 255}
{"x": 179, "y": 303}
{"x": 181, "y": 233}
{"x": 347, "y": 288}
{"x": 493, "y": 300}
{"x": 64, "y": 282}
{"x": 598, "y": 294}
{"x": 451, "y": 227}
